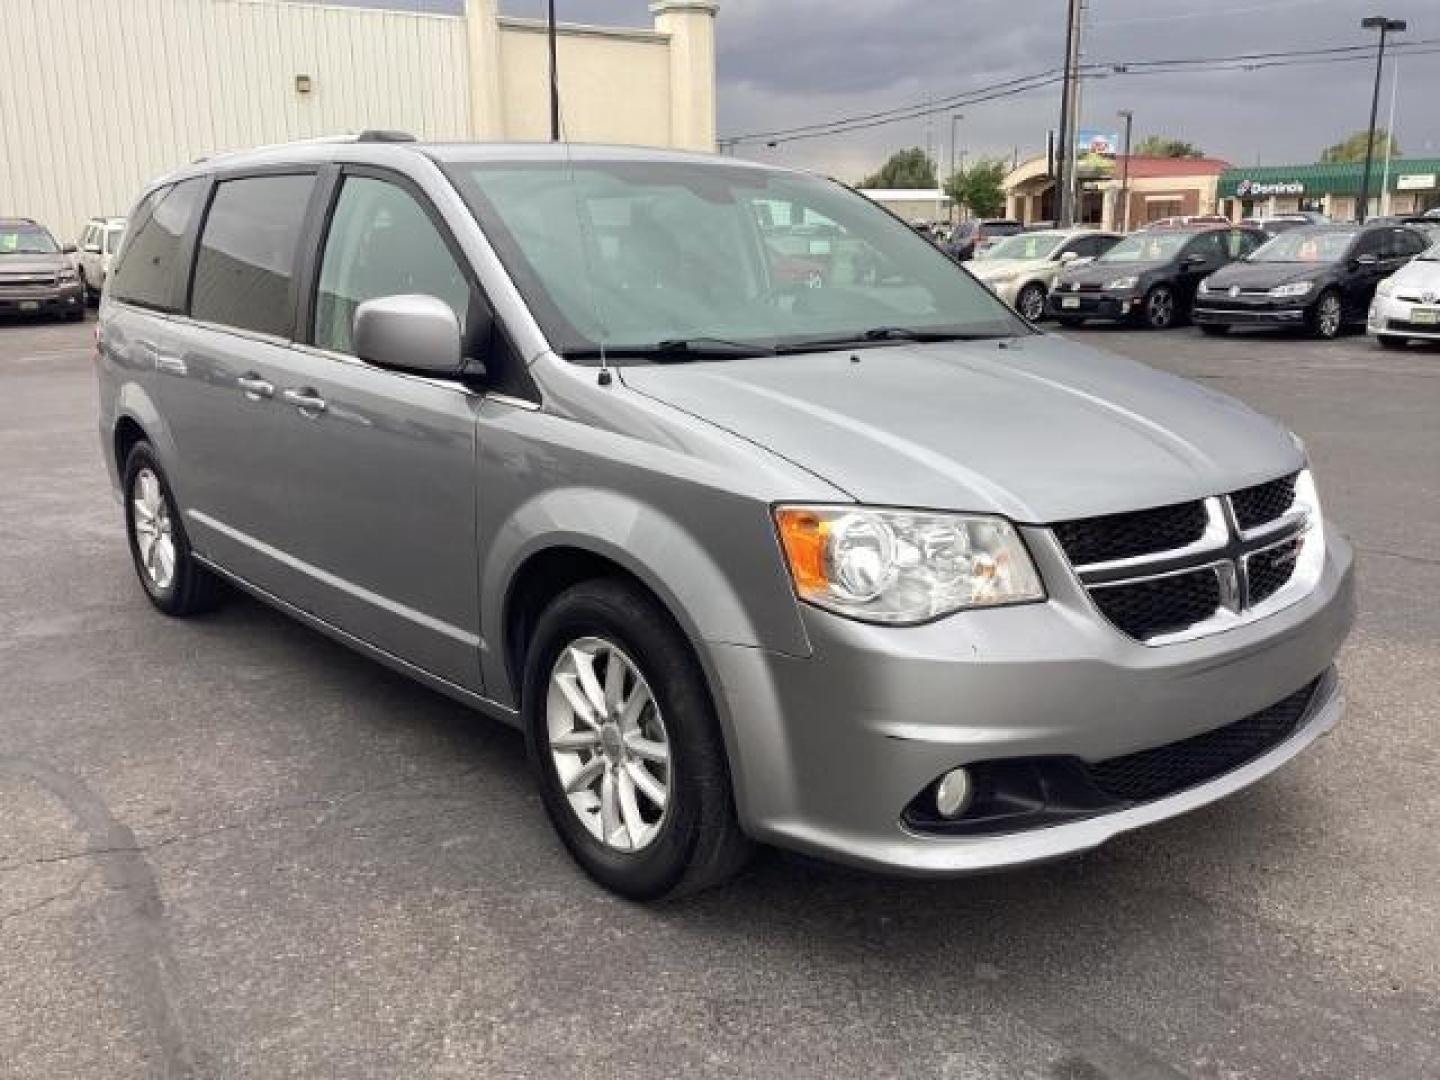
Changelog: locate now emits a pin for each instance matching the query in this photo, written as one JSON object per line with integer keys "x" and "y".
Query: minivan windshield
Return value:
{"x": 679, "y": 261}
{"x": 1142, "y": 247}
{"x": 1305, "y": 246}
{"x": 26, "y": 240}
{"x": 1038, "y": 245}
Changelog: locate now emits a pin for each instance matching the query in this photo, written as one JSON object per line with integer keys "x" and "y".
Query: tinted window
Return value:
{"x": 1211, "y": 245}
{"x": 381, "y": 243}
{"x": 247, "y": 253}
{"x": 148, "y": 273}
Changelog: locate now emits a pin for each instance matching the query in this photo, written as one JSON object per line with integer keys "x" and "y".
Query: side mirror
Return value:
{"x": 410, "y": 332}
{"x": 68, "y": 249}
{"x": 1366, "y": 260}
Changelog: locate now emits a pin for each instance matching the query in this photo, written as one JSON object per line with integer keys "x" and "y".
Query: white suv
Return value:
{"x": 98, "y": 245}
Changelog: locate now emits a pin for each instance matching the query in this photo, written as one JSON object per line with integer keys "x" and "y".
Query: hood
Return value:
{"x": 993, "y": 268}
{"x": 33, "y": 264}
{"x": 1262, "y": 275}
{"x": 1042, "y": 430}
{"x": 1419, "y": 274}
{"x": 1098, "y": 273}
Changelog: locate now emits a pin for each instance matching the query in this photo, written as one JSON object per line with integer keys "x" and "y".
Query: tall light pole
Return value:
{"x": 955, "y": 119}
{"x": 1385, "y": 26}
{"x": 1128, "y": 115}
{"x": 554, "y": 76}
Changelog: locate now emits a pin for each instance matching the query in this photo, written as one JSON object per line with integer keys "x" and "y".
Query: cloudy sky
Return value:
{"x": 790, "y": 62}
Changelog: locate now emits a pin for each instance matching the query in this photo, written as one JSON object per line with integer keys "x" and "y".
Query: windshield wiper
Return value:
{"x": 679, "y": 350}
{"x": 880, "y": 334}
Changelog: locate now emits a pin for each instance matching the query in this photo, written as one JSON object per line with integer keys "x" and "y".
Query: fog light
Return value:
{"x": 952, "y": 794}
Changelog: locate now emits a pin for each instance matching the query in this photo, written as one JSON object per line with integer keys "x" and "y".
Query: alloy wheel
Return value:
{"x": 1327, "y": 318}
{"x": 1032, "y": 303}
{"x": 608, "y": 744}
{"x": 1160, "y": 308}
{"x": 154, "y": 529}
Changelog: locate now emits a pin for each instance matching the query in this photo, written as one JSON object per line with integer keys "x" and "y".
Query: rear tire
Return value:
{"x": 173, "y": 579}
{"x": 608, "y": 810}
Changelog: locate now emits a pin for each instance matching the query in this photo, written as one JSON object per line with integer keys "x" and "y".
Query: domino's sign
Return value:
{"x": 1254, "y": 188}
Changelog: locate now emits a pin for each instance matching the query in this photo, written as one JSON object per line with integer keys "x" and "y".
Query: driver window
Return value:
{"x": 1211, "y": 245}
{"x": 381, "y": 243}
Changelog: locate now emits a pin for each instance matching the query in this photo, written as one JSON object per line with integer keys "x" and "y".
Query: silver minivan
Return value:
{"x": 872, "y": 570}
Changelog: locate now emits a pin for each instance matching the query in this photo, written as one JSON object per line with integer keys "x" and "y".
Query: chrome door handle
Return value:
{"x": 170, "y": 365}
{"x": 254, "y": 387}
{"x": 307, "y": 400}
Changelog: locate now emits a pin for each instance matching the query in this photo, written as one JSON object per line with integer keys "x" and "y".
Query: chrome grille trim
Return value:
{"x": 1226, "y": 550}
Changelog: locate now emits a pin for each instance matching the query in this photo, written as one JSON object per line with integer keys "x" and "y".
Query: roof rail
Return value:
{"x": 379, "y": 135}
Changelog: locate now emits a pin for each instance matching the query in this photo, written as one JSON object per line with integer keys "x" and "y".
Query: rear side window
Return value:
{"x": 246, "y": 259}
{"x": 381, "y": 243}
{"x": 149, "y": 273}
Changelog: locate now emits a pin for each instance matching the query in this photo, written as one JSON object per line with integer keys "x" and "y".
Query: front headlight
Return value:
{"x": 1204, "y": 287}
{"x": 1295, "y": 288}
{"x": 1386, "y": 287}
{"x": 1127, "y": 282}
{"x": 901, "y": 566}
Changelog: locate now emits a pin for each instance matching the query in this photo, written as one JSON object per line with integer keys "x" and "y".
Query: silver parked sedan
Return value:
{"x": 874, "y": 571}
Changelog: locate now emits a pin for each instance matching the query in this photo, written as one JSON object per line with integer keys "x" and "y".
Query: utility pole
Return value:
{"x": 554, "y": 76}
{"x": 1129, "y": 117}
{"x": 1385, "y": 26}
{"x": 955, "y": 119}
{"x": 1069, "y": 108}
{"x": 1389, "y": 140}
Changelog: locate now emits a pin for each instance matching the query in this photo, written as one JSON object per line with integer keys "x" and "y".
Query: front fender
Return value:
{"x": 707, "y": 599}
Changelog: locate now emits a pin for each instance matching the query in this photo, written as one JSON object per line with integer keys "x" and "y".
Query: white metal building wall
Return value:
{"x": 99, "y": 96}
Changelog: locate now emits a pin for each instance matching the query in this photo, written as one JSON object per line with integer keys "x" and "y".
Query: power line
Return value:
{"x": 1095, "y": 69}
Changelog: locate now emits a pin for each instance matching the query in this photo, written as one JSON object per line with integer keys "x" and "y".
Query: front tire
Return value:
{"x": 1030, "y": 302}
{"x": 1326, "y": 317}
{"x": 1161, "y": 308}
{"x": 172, "y": 578}
{"x": 627, "y": 750}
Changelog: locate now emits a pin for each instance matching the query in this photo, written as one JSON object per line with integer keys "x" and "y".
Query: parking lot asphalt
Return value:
{"x": 231, "y": 848}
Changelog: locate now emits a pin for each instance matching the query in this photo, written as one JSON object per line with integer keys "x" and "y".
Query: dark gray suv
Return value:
{"x": 875, "y": 571}
{"x": 37, "y": 275}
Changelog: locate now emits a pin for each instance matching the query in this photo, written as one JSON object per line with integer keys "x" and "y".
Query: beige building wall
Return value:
{"x": 97, "y": 97}
{"x": 614, "y": 85}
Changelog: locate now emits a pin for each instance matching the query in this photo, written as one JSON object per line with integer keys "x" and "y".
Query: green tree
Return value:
{"x": 1164, "y": 146}
{"x": 905, "y": 169}
{"x": 981, "y": 187}
{"x": 1352, "y": 147}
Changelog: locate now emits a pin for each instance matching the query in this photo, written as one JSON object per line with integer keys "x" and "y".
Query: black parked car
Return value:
{"x": 1320, "y": 277}
{"x": 1150, "y": 277}
{"x": 969, "y": 235}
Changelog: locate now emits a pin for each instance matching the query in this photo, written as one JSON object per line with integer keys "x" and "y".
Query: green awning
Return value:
{"x": 1406, "y": 174}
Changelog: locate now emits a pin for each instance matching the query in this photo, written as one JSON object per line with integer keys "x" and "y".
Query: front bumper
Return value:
{"x": 1257, "y": 314}
{"x": 1094, "y": 305}
{"x": 50, "y": 299}
{"x": 829, "y": 750}
{"x": 1392, "y": 316}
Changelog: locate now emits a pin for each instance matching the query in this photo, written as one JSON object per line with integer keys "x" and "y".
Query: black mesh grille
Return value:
{"x": 1270, "y": 569}
{"x": 1152, "y": 774}
{"x": 1147, "y": 609}
{"x": 1263, "y": 502}
{"x": 1124, "y": 536}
